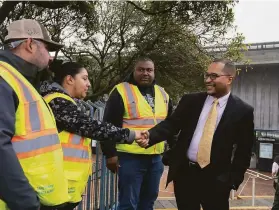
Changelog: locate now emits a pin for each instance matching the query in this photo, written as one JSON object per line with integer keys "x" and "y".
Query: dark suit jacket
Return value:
{"x": 235, "y": 130}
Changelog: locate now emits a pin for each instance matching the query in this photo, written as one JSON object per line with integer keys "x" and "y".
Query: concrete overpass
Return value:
{"x": 258, "y": 53}
{"x": 258, "y": 82}
{"x": 262, "y": 53}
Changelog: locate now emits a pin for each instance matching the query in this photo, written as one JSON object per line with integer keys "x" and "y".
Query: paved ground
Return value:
{"x": 242, "y": 198}
{"x": 166, "y": 192}
{"x": 259, "y": 203}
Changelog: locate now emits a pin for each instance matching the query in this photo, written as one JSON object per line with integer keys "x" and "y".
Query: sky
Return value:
{"x": 258, "y": 20}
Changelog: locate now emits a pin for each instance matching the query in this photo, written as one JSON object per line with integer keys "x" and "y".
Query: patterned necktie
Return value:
{"x": 203, "y": 156}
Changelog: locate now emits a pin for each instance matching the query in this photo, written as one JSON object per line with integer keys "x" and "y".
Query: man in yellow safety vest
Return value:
{"x": 31, "y": 158}
{"x": 140, "y": 105}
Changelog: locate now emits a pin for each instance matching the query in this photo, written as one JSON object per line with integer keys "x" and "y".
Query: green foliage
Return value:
{"x": 107, "y": 37}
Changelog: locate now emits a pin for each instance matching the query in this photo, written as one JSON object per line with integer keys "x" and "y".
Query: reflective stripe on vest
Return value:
{"x": 73, "y": 150}
{"x": 141, "y": 123}
{"x": 76, "y": 154}
{"x": 33, "y": 124}
{"x": 138, "y": 115}
{"x": 164, "y": 94}
{"x": 37, "y": 146}
{"x": 132, "y": 99}
{"x": 133, "y": 109}
{"x": 77, "y": 157}
{"x": 165, "y": 98}
{"x": 41, "y": 142}
{"x": 34, "y": 120}
{"x": 75, "y": 139}
{"x": 36, "y": 141}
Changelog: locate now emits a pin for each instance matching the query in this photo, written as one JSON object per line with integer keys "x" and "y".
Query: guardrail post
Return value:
{"x": 253, "y": 190}
{"x": 232, "y": 194}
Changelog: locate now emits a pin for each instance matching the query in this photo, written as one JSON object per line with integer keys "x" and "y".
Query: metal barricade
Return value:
{"x": 101, "y": 189}
{"x": 252, "y": 175}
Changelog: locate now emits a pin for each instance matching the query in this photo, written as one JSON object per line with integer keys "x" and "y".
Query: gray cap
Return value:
{"x": 27, "y": 28}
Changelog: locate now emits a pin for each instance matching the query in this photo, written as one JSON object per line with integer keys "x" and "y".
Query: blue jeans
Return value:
{"x": 139, "y": 179}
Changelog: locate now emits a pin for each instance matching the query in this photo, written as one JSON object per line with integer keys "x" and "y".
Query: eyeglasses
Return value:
{"x": 214, "y": 76}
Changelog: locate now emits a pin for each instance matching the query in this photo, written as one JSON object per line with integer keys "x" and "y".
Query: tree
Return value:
{"x": 48, "y": 12}
{"x": 107, "y": 37}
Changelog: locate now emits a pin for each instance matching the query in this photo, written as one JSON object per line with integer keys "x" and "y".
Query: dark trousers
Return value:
{"x": 69, "y": 206}
{"x": 139, "y": 179}
{"x": 66, "y": 206}
{"x": 42, "y": 207}
{"x": 276, "y": 198}
{"x": 47, "y": 207}
{"x": 195, "y": 187}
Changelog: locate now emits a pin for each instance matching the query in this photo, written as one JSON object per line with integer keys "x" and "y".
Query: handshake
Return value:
{"x": 142, "y": 138}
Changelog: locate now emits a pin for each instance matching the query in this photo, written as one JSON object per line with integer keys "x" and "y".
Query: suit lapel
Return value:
{"x": 228, "y": 114}
{"x": 198, "y": 109}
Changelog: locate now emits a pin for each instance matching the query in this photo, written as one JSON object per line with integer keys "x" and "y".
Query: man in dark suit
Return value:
{"x": 213, "y": 149}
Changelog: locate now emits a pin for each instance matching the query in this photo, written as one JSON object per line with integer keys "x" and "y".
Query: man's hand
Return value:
{"x": 138, "y": 135}
{"x": 112, "y": 164}
{"x": 144, "y": 139}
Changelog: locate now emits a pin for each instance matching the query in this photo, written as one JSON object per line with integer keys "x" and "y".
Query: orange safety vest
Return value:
{"x": 36, "y": 141}
{"x": 77, "y": 157}
{"x": 138, "y": 115}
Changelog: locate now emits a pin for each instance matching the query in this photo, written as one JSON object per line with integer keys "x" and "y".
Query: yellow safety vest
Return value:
{"x": 77, "y": 157}
{"x": 138, "y": 115}
{"x": 36, "y": 141}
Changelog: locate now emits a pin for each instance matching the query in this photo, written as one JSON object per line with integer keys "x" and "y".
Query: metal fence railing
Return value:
{"x": 101, "y": 189}
{"x": 253, "y": 175}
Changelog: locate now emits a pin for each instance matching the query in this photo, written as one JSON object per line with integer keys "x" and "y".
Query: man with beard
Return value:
{"x": 137, "y": 104}
{"x": 211, "y": 124}
{"x": 31, "y": 158}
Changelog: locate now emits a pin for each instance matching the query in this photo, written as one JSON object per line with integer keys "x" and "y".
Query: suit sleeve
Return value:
{"x": 170, "y": 126}
{"x": 171, "y": 140}
{"x": 15, "y": 189}
{"x": 244, "y": 140}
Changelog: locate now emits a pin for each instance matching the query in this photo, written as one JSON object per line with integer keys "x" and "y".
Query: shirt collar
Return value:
{"x": 222, "y": 101}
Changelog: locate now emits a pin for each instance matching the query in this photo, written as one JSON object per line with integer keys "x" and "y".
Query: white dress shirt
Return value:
{"x": 222, "y": 102}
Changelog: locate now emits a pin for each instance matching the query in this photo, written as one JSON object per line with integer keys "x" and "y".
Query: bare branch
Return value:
{"x": 21, "y": 11}
{"x": 55, "y": 56}
{"x": 6, "y": 8}
{"x": 51, "y": 5}
{"x": 96, "y": 48}
{"x": 2, "y": 39}
{"x": 66, "y": 54}
{"x": 149, "y": 12}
